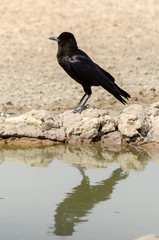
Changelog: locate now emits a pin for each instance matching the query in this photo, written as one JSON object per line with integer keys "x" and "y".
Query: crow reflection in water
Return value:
{"x": 82, "y": 199}
{"x": 83, "y": 70}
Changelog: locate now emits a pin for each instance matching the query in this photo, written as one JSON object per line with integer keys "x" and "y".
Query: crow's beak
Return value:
{"x": 54, "y": 38}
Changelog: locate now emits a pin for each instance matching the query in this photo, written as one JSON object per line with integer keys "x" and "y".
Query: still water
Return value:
{"x": 87, "y": 193}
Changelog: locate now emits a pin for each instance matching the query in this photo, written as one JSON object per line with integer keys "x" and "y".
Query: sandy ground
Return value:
{"x": 121, "y": 36}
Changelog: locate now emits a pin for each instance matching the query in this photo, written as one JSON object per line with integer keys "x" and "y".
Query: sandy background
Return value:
{"x": 121, "y": 36}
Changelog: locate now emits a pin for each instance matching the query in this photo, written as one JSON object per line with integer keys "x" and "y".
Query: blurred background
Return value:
{"x": 121, "y": 36}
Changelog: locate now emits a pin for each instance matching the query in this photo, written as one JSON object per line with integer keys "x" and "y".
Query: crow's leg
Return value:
{"x": 78, "y": 104}
{"x": 83, "y": 106}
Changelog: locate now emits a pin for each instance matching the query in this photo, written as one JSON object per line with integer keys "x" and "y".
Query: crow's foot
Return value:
{"x": 79, "y": 109}
{"x": 75, "y": 107}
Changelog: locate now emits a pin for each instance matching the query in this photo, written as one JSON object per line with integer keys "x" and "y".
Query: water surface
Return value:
{"x": 65, "y": 192}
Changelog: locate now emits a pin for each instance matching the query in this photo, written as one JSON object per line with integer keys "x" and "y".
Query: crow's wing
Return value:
{"x": 91, "y": 72}
{"x": 107, "y": 74}
{"x": 93, "y": 75}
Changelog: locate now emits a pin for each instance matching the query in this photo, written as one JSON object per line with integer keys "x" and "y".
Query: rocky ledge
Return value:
{"x": 136, "y": 125}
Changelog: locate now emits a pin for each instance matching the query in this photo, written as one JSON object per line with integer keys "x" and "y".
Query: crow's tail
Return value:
{"x": 121, "y": 93}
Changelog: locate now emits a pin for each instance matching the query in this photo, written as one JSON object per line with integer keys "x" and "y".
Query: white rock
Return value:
{"x": 109, "y": 124}
{"x": 153, "y": 134}
{"x": 133, "y": 121}
{"x": 153, "y": 111}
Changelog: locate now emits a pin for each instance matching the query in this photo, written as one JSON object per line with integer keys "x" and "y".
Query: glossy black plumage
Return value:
{"x": 83, "y": 70}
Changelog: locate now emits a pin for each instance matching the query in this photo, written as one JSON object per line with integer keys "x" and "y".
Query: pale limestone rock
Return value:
{"x": 2, "y": 124}
{"x": 89, "y": 127}
{"x": 108, "y": 124}
{"x": 133, "y": 121}
{"x": 28, "y": 125}
{"x": 56, "y": 134}
{"x": 2, "y": 114}
{"x": 41, "y": 119}
{"x": 153, "y": 134}
{"x": 68, "y": 118}
{"x": 86, "y": 127}
{"x": 153, "y": 111}
{"x": 111, "y": 139}
{"x": 22, "y": 129}
{"x": 91, "y": 113}
{"x": 44, "y": 124}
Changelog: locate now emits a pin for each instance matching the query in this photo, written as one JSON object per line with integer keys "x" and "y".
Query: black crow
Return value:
{"x": 83, "y": 70}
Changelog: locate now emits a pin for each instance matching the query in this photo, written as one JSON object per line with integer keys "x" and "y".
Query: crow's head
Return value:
{"x": 65, "y": 39}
